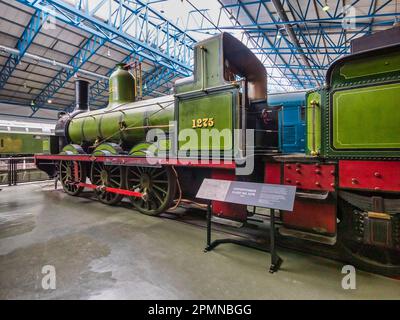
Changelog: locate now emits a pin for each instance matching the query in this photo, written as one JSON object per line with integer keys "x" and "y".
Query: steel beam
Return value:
{"x": 63, "y": 76}
{"x": 27, "y": 37}
{"x": 131, "y": 25}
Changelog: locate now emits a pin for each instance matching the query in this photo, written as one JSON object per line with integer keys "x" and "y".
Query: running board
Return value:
{"x": 307, "y": 236}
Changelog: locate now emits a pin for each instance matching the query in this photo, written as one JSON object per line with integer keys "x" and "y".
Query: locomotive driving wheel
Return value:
{"x": 368, "y": 257}
{"x": 158, "y": 186}
{"x": 68, "y": 172}
{"x": 107, "y": 176}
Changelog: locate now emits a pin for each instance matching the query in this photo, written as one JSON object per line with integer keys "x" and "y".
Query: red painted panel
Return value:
{"x": 310, "y": 176}
{"x": 312, "y": 216}
{"x": 227, "y": 210}
{"x": 371, "y": 175}
{"x": 272, "y": 173}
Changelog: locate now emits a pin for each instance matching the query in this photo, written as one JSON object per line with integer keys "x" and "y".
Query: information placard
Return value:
{"x": 271, "y": 196}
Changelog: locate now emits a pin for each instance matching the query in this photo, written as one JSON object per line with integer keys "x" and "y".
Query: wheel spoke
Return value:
{"x": 158, "y": 174}
{"x": 158, "y": 196}
{"x": 116, "y": 182}
{"x": 160, "y": 181}
{"x": 158, "y": 188}
{"x": 134, "y": 172}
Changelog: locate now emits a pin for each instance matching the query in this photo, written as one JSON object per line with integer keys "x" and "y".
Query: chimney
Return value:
{"x": 81, "y": 95}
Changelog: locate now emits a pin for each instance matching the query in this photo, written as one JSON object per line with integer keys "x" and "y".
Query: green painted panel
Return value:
{"x": 161, "y": 118}
{"x": 134, "y": 121}
{"x": 371, "y": 66}
{"x": 367, "y": 118}
{"x": 19, "y": 143}
{"x": 46, "y": 145}
{"x": 106, "y": 149}
{"x": 91, "y": 128}
{"x": 110, "y": 126}
{"x": 70, "y": 149}
{"x": 213, "y": 66}
{"x": 75, "y": 130}
{"x": 219, "y": 108}
{"x": 313, "y": 116}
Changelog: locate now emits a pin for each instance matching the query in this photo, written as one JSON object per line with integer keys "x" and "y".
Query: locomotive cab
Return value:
{"x": 228, "y": 91}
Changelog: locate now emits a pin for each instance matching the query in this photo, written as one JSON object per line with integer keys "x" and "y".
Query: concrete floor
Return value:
{"x": 103, "y": 252}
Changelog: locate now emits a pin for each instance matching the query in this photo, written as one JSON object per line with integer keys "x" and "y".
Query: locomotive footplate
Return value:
{"x": 43, "y": 160}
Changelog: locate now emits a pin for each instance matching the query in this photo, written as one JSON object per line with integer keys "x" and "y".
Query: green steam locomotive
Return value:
{"x": 158, "y": 151}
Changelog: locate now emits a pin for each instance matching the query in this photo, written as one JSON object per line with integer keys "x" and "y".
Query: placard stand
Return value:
{"x": 276, "y": 261}
{"x": 259, "y": 195}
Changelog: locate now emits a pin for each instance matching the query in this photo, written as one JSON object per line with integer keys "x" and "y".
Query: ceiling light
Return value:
{"x": 49, "y": 101}
{"x": 326, "y": 7}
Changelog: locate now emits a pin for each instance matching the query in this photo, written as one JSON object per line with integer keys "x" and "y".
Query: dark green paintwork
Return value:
{"x": 367, "y": 118}
{"x": 361, "y": 70}
{"x": 372, "y": 67}
{"x": 361, "y": 118}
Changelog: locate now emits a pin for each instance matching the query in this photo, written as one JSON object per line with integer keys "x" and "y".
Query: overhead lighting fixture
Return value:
{"x": 49, "y": 101}
{"x": 326, "y": 7}
{"x": 32, "y": 103}
{"x": 108, "y": 52}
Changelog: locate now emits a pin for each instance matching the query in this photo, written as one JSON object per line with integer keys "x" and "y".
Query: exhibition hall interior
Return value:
{"x": 220, "y": 150}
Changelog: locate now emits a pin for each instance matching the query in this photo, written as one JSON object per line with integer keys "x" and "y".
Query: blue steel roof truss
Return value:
{"x": 26, "y": 39}
{"x": 322, "y": 38}
{"x": 155, "y": 39}
{"x": 134, "y": 26}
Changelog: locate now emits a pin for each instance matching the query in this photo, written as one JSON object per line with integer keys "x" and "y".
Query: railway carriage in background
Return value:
{"x": 19, "y": 138}
{"x": 348, "y": 178}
